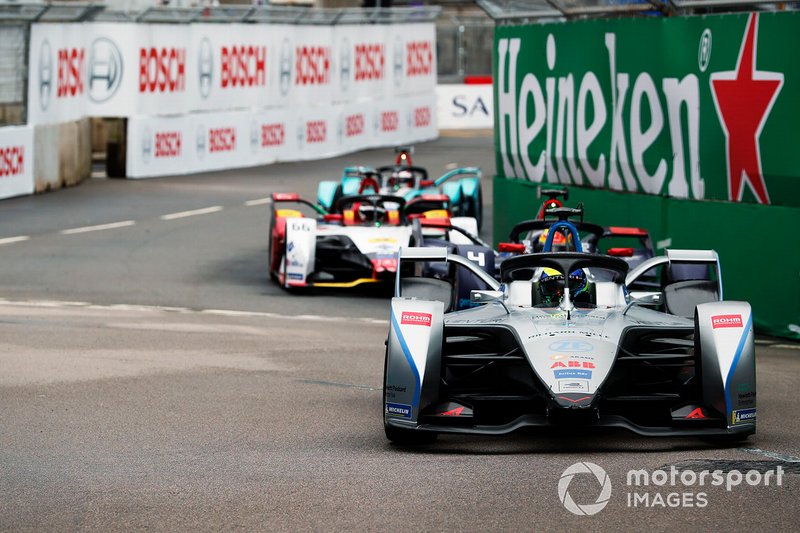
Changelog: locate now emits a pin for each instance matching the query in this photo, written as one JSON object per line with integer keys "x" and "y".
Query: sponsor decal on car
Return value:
{"x": 416, "y": 319}
{"x": 572, "y": 364}
{"x": 294, "y": 275}
{"x": 571, "y": 346}
{"x": 398, "y": 409}
{"x": 572, "y": 374}
{"x": 573, "y": 386}
{"x": 743, "y": 416}
{"x": 726, "y": 321}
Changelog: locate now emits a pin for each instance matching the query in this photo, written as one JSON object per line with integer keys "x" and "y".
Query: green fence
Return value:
{"x": 688, "y": 126}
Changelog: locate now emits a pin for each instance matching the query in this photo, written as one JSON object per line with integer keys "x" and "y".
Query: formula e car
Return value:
{"x": 461, "y": 185}
{"x": 633, "y": 245}
{"x": 560, "y": 342}
{"x": 357, "y": 241}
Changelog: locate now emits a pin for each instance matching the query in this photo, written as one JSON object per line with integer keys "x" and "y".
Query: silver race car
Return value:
{"x": 560, "y": 342}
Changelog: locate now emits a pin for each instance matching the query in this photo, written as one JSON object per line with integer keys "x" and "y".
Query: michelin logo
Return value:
{"x": 398, "y": 409}
{"x": 743, "y": 416}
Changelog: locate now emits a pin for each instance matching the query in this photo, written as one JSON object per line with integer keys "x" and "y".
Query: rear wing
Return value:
{"x": 437, "y": 255}
{"x": 685, "y": 280}
{"x": 294, "y": 198}
{"x": 473, "y": 172}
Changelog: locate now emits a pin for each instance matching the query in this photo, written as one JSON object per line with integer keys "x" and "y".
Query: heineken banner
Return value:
{"x": 703, "y": 108}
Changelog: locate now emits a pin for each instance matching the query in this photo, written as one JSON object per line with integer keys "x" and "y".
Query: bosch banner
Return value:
{"x": 195, "y": 142}
{"x": 16, "y": 161}
{"x": 126, "y": 69}
{"x": 705, "y": 111}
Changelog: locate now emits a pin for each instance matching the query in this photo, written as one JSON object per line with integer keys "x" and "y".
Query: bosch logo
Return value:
{"x": 599, "y": 475}
{"x": 419, "y": 56}
{"x": 370, "y": 60}
{"x": 200, "y": 141}
{"x": 272, "y": 135}
{"x": 168, "y": 144}
{"x": 205, "y": 67}
{"x": 285, "y": 67}
{"x": 416, "y": 319}
{"x": 12, "y": 161}
{"x": 316, "y": 131}
{"x": 390, "y": 121}
{"x": 147, "y": 145}
{"x": 244, "y": 66}
{"x": 398, "y": 61}
{"x": 422, "y": 117}
{"x": 71, "y": 72}
{"x": 313, "y": 65}
{"x": 344, "y": 64}
{"x": 45, "y": 74}
{"x": 726, "y": 321}
{"x": 162, "y": 70}
{"x": 221, "y": 140}
{"x": 105, "y": 69}
{"x": 354, "y": 125}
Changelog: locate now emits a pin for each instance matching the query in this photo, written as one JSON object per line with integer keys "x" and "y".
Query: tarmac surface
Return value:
{"x": 152, "y": 377}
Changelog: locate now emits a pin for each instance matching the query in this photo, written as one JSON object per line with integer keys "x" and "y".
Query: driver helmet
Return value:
{"x": 370, "y": 213}
{"x": 401, "y": 177}
{"x": 551, "y": 285}
{"x": 560, "y": 242}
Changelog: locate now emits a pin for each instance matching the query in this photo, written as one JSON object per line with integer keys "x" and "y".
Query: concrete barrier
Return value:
{"x": 62, "y": 154}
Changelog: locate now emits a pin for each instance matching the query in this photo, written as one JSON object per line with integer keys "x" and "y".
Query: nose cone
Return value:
{"x": 573, "y": 400}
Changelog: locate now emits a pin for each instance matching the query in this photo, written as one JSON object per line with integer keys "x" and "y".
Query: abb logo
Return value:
{"x": 573, "y": 364}
{"x": 12, "y": 161}
{"x": 222, "y": 139}
{"x": 244, "y": 66}
{"x": 162, "y": 70}
{"x": 316, "y": 131}
{"x": 354, "y": 125}
{"x": 726, "y": 321}
{"x": 369, "y": 62}
{"x": 416, "y": 319}
{"x": 272, "y": 135}
{"x": 71, "y": 72}
{"x": 390, "y": 121}
{"x": 313, "y": 65}
{"x": 422, "y": 117}
{"x": 168, "y": 144}
{"x": 419, "y": 57}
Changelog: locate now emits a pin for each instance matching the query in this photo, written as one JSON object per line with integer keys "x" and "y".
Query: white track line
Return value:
{"x": 772, "y": 455}
{"x": 786, "y": 346}
{"x": 260, "y": 201}
{"x": 185, "y": 310}
{"x": 100, "y": 227}
{"x": 194, "y": 212}
{"x": 10, "y": 240}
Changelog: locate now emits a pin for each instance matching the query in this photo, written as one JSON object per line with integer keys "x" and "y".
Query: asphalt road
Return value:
{"x": 153, "y": 378}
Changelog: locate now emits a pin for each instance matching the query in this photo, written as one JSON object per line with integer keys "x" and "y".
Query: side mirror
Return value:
{"x": 647, "y": 298}
{"x": 482, "y": 297}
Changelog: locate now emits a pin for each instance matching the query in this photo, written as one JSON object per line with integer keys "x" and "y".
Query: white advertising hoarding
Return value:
{"x": 198, "y": 142}
{"x": 127, "y": 69}
{"x": 16, "y": 161}
{"x": 465, "y": 106}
